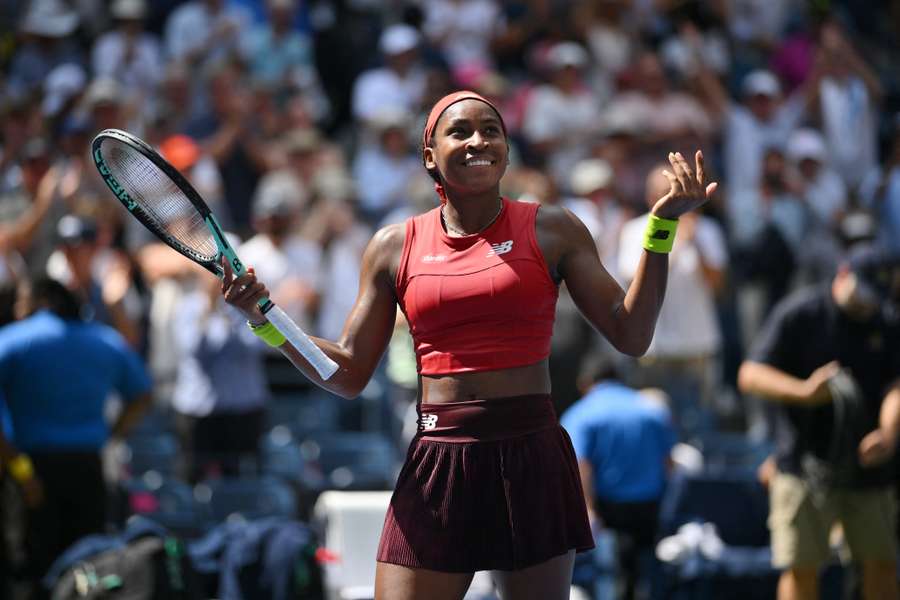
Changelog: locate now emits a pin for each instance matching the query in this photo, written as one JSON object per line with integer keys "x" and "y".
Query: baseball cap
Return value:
{"x": 49, "y": 18}
{"x": 278, "y": 194}
{"x": 761, "y": 83}
{"x": 301, "y": 140}
{"x": 74, "y": 229}
{"x": 128, "y": 10}
{"x": 103, "y": 90}
{"x": 398, "y": 39}
{"x": 590, "y": 175}
{"x": 566, "y": 54}
{"x": 878, "y": 269}
{"x": 60, "y": 85}
{"x": 806, "y": 144}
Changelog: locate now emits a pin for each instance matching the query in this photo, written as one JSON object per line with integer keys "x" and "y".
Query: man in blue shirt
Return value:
{"x": 622, "y": 438}
{"x": 56, "y": 373}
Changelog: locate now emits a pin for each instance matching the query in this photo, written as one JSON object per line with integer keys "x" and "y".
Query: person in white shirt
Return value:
{"x": 817, "y": 183}
{"x": 849, "y": 92}
{"x": 462, "y": 29}
{"x": 386, "y": 167}
{"x": 127, "y": 53}
{"x": 202, "y": 32}
{"x": 563, "y": 116}
{"x": 682, "y": 358}
{"x": 288, "y": 260}
{"x": 764, "y": 119}
{"x": 399, "y": 84}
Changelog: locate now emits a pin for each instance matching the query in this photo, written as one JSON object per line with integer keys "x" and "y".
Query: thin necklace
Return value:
{"x": 453, "y": 229}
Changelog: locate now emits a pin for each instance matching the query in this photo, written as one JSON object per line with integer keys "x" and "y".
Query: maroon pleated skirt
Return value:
{"x": 487, "y": 485}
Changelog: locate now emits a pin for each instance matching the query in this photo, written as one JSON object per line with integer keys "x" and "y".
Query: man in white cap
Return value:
{"x": 763, "y": 119}
{"x": 563, "y": 115}
{"x": 128, "y": 53}
{"x": 47, "y": 27}
{"x": 818, "y": 184}
{"x": 399, "y": 84}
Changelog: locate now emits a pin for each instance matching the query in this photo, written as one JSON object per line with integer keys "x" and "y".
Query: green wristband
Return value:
{"x": 268, "y": 334}
{"x": 659, "y": 236}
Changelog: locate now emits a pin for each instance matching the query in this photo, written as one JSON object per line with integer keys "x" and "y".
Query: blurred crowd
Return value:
{"x": 298, "y": 123}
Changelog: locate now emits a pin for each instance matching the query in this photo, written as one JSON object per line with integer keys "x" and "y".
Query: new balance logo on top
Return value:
{"x": 501, "y": 248}
{"x": 427, "y": 422}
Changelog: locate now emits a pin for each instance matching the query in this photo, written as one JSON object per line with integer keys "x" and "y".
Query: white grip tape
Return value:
{"x": 323, "y": 365}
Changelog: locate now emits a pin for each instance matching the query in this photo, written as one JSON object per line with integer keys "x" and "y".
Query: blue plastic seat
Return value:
{"x": 351, "y": 460}
{"x": 150, "y": 452}
{"x": 169, "y": 502}
{"x": 249, "y": 498}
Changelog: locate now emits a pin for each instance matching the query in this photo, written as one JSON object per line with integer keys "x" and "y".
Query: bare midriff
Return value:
{"x": 457, "y": 387}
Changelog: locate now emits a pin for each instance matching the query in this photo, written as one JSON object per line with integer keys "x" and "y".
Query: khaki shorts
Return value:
{"x": 800, "y": 523}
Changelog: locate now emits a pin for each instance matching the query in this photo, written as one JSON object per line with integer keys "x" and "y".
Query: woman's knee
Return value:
{"x": 396, "y": 582}
{"x": 549, "y": 580}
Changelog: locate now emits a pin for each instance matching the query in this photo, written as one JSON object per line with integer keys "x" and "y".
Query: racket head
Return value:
{"x": 158, "y": 196}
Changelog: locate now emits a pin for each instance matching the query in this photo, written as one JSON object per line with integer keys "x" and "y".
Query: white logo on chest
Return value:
{"x": 501, "y": 248}
{"x": 432, "y": 258}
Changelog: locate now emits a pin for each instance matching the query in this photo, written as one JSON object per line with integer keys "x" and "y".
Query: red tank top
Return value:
{"x": 477, "y": 303}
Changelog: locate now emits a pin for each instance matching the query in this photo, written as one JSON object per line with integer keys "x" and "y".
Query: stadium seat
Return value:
{"x": 725, "y": 452}
{"x": 352, "y": 460}
{"x": 737, "y": 505}
{"x": 149, "y": 452}
{"x": 247, "y": 498}
{"x": 281, "y": 456}
{"x": 169, "y": 502}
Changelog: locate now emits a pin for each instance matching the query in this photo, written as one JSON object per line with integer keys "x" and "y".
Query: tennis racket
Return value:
{"x": 158, "y": 196}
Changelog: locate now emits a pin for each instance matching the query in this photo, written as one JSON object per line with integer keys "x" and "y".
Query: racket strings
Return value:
{"x": 160, "y": 199}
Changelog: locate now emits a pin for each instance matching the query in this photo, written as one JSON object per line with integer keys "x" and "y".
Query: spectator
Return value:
{"x": 768, "y": 225}
{"x": 56, "y": 373}
{"x": 287, "y": 259}
{"x": 763, "y": 120}
{"x": 623, "y": 440}
{"x": 220, "y": 388}
{"x": 282, "y": 57}
{"x": 229, "y": 133}
{"x": 29, "y": 211}
{"x": 343, "y": 238}
{"x": 106, "y": 106}
{"x": 668, "y": 117}
{"x": 47, "y": 27}
{"x": 386, "y": 168}
{"x": 99, "y": 276}
{"x": 562, "y": 116}
{"x": 849, "y": 95}
{"x": 201, "y": 33}
{"x": 399, "y": 84}
{"x": 828, "y": 358}
{"x": 683, "y": 358}
{"x": 128, "y": 53}
{"x": 62, "y": 89}
{"x": 462, "y": 30}
{"x": 593, "y": 182}
{"x": 880, "y": 193}
{"x": 824, "y": 194}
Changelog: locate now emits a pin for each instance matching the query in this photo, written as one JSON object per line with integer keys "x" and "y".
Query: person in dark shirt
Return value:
{"x": 829, "y": 357}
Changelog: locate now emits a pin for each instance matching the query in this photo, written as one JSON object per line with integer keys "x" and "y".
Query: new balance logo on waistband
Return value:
{"x": 427, "y": 422}
{"x": 501, "y": 248}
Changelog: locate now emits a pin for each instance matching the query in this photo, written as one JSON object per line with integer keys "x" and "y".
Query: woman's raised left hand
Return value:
{"x": 688, "y": 187}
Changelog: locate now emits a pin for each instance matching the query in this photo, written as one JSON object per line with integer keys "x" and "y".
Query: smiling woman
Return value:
{"x": 490, "y": 481}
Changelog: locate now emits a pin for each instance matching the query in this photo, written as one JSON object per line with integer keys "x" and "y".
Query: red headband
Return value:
{"x": 439, "y": 108}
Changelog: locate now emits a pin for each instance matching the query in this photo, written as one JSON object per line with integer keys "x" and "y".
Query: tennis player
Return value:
{"x": 490, "y": 481}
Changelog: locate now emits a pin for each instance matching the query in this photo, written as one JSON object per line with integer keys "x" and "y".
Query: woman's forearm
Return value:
{"x": 636, "y": 315}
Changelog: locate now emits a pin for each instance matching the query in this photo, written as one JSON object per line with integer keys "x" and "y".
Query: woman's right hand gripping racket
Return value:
{"x": 158, "y": 196}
